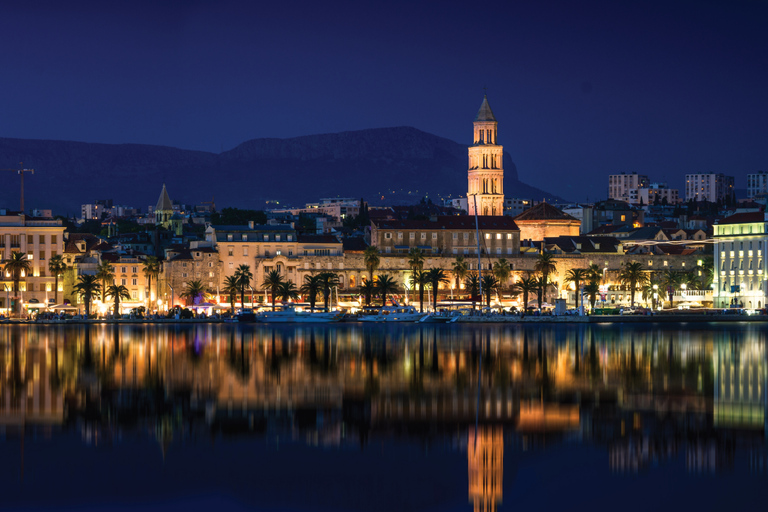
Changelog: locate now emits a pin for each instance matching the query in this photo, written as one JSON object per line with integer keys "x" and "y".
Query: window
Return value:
{"x": 244, "y": 237}
{"x": 183, "y": 274}
{"x": 135, "y": 269}
{"x": 666, "y": 263}
{"x": 210, "y": 274}
{"x": 411, "y": 236}
{"x": 290, "y": 238}
{"x": 53, "y": 239}
{"x": 278, "y": 252}
{"x": 466, "y": 236}
{"x": 123, "y": 281}
{"x": 42, "y": 255}
{"x": 210, "y": 263}
{"x": 277, "y": 238}
{"x": 30, "y": 239}
{"x": 509, "y": 236}
{"x": 498, "y": 236}
{"x": 434, "y": 236}
{"x": 230, "y": 237}
{"x": 183, "y": 264}
{"x": 387, "y": 250}
{"x": 245, "y": 251}
{"x": 387, "y": 235}
{"x": 41, "y": 239}
{"x": 134, "y": 281}
{"x": 455, "y": 236}
{"x": 266, "y": 253}
{"x": 455, "y": 251}
{"x": 423, "y": 236}
{"x": 122, "y": 270}
{"x": 265, "y": 238}
{"x": 498, "y": 250}
{"x": 231, "y": 265}
{"x": 487, "y": 236}
{"x": 290, "y": 252}
{"x": 399, "y": 235}
{"x": 230, "y": 251}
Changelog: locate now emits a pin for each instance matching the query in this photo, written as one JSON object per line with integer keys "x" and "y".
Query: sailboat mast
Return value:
{"x": 479, "y": 259}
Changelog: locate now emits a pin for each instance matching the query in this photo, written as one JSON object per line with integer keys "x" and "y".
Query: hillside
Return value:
{"x": 392, "y": 165}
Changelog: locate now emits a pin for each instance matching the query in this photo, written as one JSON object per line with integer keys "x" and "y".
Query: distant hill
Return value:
{"x": 386, "y": 165}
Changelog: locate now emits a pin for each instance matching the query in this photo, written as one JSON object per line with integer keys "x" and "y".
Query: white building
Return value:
{"x": 740, "y": 263}
{"x": 710, "y": 187}
{"x": 757, "y": 184}
{"x": 620, "y": 186}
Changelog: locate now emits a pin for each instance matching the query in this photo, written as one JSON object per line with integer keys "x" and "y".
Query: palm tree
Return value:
{"x": 460, "y": 270}
{"x": 287, "y": 291}
{"x": 105, "y": 273}
{"x": 415, "y": 259}
{"x": 368, "y": 288}
{"x": 672, "y": 280}
{"x": 649, "y": 290}
{"x": 435, "y": 276}
{"x": 691, "y": 280}
{"x": 594, "y": 273}
{"x": 57, "y": 266}
{"x": 87, "y": 286}
{"x": 472, "y": 284}
{"x": 706, "y": 272}
{"x": 632, "y": 274}
{"x": 592, "y": 288}
{"x": 545, "y": 265}
{"x": 243, "y": 275}
{"x": 151, "y": 271}
{"x": 371, "y": 257}
{"x": 576, "y": 276}
{"x": 526, "y": 286}
{"x": 231, "y": 288}
{"x": 311, "y": 287}
{"x": 329, "y": 280}
{"x": 194, "y": 289}
{"x": 419, "y": 278}
{"x": 385, "y": 285}
{"x": 17, "y": 265}
{"x": 118, "y": 292}
{"x": 541, "y": 290}
{"x": 502, "y": 270}
{"x": 490, "y": 284}
{"x": 271, "y": 283}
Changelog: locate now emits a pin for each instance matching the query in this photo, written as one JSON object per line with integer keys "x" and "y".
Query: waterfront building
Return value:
{"x": 40, "y": 239}
{"x": 448, "y": 235}
{"x": 711, "y": 187}
{"x": 740, "y": 263}
{"x": 129, "y": 272}
{"x": 485, "y": 194}
{"x": 544, "y": 220}
{"x": 185, "y": 264}
{"x": 621, "y": 186}
{"x": 757, "y": 184}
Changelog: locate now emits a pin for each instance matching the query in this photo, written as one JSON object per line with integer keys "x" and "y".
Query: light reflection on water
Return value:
{"x": 647, "y": 398}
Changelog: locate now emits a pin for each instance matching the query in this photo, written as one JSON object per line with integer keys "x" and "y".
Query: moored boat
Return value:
{"x": 390, "y": 314}
{"x": 289, "y": 314}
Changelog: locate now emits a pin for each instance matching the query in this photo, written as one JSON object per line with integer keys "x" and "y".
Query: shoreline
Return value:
{"x": 596, "y": 319}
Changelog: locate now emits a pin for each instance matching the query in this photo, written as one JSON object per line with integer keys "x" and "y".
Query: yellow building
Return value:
{"x": 40, "y": 239}
{"x": 485, "y": 194}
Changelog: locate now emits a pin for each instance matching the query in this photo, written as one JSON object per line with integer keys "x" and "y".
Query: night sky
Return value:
{"x": 580, "y": 89}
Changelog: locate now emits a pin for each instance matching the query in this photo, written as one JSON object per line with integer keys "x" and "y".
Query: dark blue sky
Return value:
{"x": 580, "y": 89}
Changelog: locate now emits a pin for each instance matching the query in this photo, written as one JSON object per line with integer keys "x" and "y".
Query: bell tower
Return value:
{"x": 486, "y": 173}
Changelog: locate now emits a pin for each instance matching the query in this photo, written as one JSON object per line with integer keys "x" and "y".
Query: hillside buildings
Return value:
{"x": 485, "y": 194}
{"x": 710, "y": 187}
{"x": 757, "y": 184}
{"x": 620, "y": 186}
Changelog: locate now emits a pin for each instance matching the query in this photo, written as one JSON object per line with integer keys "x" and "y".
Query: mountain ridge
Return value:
{"x": 396, "y": 165}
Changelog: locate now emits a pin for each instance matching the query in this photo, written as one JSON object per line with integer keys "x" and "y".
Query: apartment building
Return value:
{"x": 709, "y": 187}
{"x": 757, "y": 184}
{"x": 620, "y": 186}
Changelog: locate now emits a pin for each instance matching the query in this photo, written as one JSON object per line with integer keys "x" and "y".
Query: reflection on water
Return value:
{"x": 643, "y": 396}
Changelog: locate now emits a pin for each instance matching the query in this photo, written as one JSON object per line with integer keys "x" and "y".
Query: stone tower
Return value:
{"x": 164, "y": 209}
{"x": 486, "y": 172}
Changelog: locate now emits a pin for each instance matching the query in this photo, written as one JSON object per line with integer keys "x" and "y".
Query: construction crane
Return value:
{"x": 21, "y": 170}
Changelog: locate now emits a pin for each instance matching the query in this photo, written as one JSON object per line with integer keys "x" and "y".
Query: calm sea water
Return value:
{"x": 400, "y": 417}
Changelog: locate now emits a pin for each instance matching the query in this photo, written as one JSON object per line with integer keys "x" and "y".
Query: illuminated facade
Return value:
{"x": 622, "y": 187}
{"x": 39, "y": 239}
{"x": 485, "y": 195}
{"x": 709, "y": 187}
{"x": 740, "y": 264}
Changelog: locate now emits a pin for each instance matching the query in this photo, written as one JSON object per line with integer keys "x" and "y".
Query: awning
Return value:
{"x": 401, "y": 247}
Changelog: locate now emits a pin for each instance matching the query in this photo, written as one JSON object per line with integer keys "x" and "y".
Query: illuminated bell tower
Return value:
{"x": 486, "y": 173}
